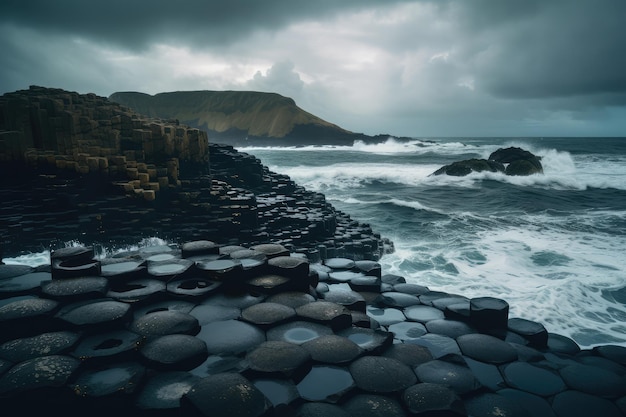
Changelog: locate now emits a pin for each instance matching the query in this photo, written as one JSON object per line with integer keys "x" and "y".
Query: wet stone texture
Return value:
{"x": 276, "y": 340}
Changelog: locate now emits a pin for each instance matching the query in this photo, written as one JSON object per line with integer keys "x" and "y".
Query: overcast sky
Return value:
{"x": 413, "y": 67}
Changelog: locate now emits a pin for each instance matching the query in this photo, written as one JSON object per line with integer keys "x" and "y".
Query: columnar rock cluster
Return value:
{"x": 50, "y": 128}
{"x": 208, "y": 330}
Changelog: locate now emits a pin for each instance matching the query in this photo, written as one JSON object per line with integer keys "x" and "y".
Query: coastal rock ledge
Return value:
{"x": 210, "y": 330}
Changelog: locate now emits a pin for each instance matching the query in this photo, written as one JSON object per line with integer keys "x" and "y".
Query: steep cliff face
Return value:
{"x": 238, "y": 117}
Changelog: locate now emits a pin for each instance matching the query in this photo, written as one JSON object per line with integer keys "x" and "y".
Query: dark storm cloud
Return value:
{"x": 136, "y": 24}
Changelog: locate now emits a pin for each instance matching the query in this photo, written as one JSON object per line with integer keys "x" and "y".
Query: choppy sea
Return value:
{"x": 553, "y": 244}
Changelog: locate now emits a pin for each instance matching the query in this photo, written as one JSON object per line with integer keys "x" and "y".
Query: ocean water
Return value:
{"x": 553, "y": 244}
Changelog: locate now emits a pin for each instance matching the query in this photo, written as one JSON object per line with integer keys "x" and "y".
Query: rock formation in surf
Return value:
{"x": 510, "y": 161}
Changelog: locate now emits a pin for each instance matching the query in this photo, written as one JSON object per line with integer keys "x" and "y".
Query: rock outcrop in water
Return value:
{"x": 511, "y": 161}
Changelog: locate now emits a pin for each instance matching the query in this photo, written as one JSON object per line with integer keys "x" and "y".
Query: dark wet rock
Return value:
{"x": 164, "y": 391}
{"x": 199, "y": 248}
{"x": 370, "y": 340}
{"x": 326, "y": 383}
{"x": 413, "y": 289}
{"x": 228, "y": 249}
{"x": 456, "y": 376}
{"x": 324, "y": 312}
{"x": 169, "y": 269}
{"x": 397, "y": 299}
{"x": 438, "y": 345}
{"x": 392, "y": 279}
{"x": 72, "y": 269}
{"x": 55, "y": 343}
{"x": 369, "y": 268}
{"x": 77, "y": 255}
{"x": 443, "y": 302}
{"x": 603, "y": 363}
{"x": 238, "y": 300}
{"x": 533, "y": 404}
{"x": 293, "y": 299}
{"x": 298, "y": 332}
{"x": 424, "y": 398}
{"x": 489, "y": 404}
{"x": 12, "y": 271}
{"x": 486, "y": 348}
{"x": 406, "y": 330}
{"x": 268, "y": 314}
{"x": 332, "y": 349}
{"x": 379, "y": 374}
{"x": 352, "y": 300}
{"x": 423, "y": 314}
{"x": 366, "y": 283}
{"x": 488, "y": 375}
{"x": 230, "y": 337}
{"x": 116, "y": 269}
{"x": 137, "y": 291}
{"x": 371, "y": 405}
{"x": 107, "y": 380}
{"x": 226, "y": 395}
{"x": 340, "y": 276}
{"x": 22, "y": 284}
{"x": 594, "y": 380}
{"x": 277, "y": 391}
{"x": 52, "y": 371}
{"x": 612, "y": 352}
{"x": 409, "y": 354}
{"x": 76, "y": 289}
{"x": 207, "y": 313}
{"x": 161, "y": 323}
{"x": 430, "y": 297}
{"x": 217, "y": 364}
{"x": 271, "y": 250}
{"x": 489, "y": 313}
{"x": 227, "y": 271}
{"x": 533, "y": 379}
{"x": 192, "y": 287}
{"x": 520, "y": 161}
{"x": 527, "y": 353}
{"x": 174, "y": 352}
{"x": 578, "y": 404}
{"x": 535, "y": 333}
{"x": 386, "y": 316}
{"x": 165, "y": 305}
{"x": 458, "y": 311}
{"x": 26, "y": 317}
{"x": 562, "y": 344}
{"x": 321, "y": 410}
{"x": 117, "y": 344}
{"x": 279, "y": 358}
{"x": 100, "y": 314}
{"x": 339, "y": 263}
{"x": 466, "y": 167}
{"x": 450, "y": 328}
{"x": 275, "y": 284}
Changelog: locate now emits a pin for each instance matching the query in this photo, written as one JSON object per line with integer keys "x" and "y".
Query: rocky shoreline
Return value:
{"x": 211, "y": 330}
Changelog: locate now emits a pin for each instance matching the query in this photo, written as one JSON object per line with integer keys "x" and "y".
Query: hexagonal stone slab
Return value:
{"x": 352, "y": 300}
{"x": 268, "y": 314}
{"x": 334, "y": 315}
{"x": 397, "y": 299}
{"x": 579, "y": 404}
{"x": 489, "y": 313}
{"x": 533, "y": 379}
{"x": 277, "y": 391}
{"x": 368, "y": 339}
{"x": 424, "y": 398}
{"x": 423, "y": 314}
{"x": 199, "y": 248}
{"x": 407, "y": 330}
{"x": 110, "y": 345}
{"x": 23, "y": 284}
{"x": 450, "y": 328}
{"x": 140, "y": 290}
{"x": 45, "y": 344}
{"x": 535, "y": 333}
{"x": 278, "y": 357}
{"x": 325, "y": 383}
{"x": 107, "y": 380}
{"x": 164, "y": 391}
{"x": 75, "y": 289}
{"x": 230, "y": 337}
{"x": 290, "y": 266}
{"x": 536, "y": 406}
{"x": 271, "y": 250}
{"x": 96, "y": 313}
{"x": 298, "y": 332}
{"x": 486, "y": 348}
{"x": 594, "y": 380}
{"x": 178, "y": 352}
{"x": 226, "y": 395}
{"x": 192, "y": 287}
{"x": 332, "y": 349}
{"x": 208, "y": 313}
{"x": 489, "y": 404}
{"x": 339, "y": 263}
{"x": 409, "y": 354}
{"x": 43, "y": 372}
{"x": 378, "y": 374}
{"x": 26, "y": 317}
{"x": 562, "y": 344}
{"x": 455, "y": 376}
{"x": 292, "y": 299}
{"x": 438, "y": 345}
{"x": 162, "y": 323}
{"x": 386, "y": 316}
